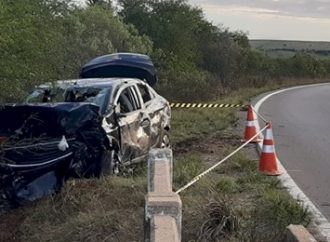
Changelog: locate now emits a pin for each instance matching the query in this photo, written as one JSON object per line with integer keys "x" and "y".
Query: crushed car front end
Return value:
{"x": 43, "y": 145}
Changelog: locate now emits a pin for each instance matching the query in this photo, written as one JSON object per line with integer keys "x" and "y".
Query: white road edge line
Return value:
{"x": 287, "y": 181}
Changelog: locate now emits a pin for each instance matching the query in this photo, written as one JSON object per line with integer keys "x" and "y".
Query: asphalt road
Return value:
{"x": 301, "y": 125}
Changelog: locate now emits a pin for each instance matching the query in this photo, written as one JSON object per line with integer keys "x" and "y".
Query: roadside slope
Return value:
{"x": 232, "y": 203}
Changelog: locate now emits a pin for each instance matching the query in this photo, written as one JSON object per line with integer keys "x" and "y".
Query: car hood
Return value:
{"x": 126, "y": 65}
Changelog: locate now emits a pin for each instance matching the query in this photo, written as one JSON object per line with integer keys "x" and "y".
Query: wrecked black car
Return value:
{"x": 95, "y": 125}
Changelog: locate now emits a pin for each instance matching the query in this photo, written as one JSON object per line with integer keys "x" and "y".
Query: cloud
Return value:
{"x": 262, "y": 22}
{"x": 298, "y": 8}
{"x": 236, "y": 9}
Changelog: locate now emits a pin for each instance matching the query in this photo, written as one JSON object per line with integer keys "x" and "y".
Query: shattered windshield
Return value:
{"x": 95, "y": 95}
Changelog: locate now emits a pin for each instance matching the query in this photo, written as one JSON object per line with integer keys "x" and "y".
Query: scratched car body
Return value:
{"x": 99, "y": 124}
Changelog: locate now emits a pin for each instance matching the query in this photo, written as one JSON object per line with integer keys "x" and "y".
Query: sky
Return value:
{"x": 272, "y": 19}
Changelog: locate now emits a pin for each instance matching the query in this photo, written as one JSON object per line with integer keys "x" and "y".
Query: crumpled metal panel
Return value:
{"x": 135, "y": 141}
{"x": 160, "y": 115}
{"x": 43, "y": 145}
{"x": 46, "y": 144}
{"x": 136, "y": 132}
{"x": 139, "y": 138}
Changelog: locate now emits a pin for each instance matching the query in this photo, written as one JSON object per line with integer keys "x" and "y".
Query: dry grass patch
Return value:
{"x": 109, "y": 209}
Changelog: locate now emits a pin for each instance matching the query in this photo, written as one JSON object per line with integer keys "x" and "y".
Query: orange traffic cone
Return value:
{"x": 250, "y": 129}
{"x": 268, "y": 160}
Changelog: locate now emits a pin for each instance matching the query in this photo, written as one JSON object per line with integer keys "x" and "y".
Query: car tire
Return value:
{"x": 108, "y": 162}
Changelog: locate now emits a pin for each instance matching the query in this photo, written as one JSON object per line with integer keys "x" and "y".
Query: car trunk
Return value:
{"x": 122, "y": 65}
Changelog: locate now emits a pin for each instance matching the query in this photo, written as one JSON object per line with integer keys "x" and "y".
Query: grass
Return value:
{"x": 109, "y": 209}
{"x": 186, "y": 168}
{"x": 232, "y": 203}
{"x": 221, "y": 221}
{"x": 236, "y": 203}
{"x": 196, "y": 123}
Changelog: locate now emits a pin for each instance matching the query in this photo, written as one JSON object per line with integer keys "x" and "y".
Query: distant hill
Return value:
{"x": 288, "y": 48}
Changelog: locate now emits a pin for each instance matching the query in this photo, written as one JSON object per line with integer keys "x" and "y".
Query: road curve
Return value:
{"x": 301, "y": 124}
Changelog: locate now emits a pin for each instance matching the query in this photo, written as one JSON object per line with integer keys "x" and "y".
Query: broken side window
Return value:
{"x": 144, "y": 93}
{"x": 127, "y": 101}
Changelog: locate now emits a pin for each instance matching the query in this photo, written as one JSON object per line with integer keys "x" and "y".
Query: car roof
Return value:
{"x": 94, "y": 82}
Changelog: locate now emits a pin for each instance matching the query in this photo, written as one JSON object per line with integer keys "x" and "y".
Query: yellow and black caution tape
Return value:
{"x": 205, "y": 105}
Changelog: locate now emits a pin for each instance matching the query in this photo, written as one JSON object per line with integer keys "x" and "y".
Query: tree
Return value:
{"x": 47, "y": 40}
{"x": 180, "y": 29}
{"x": 94, "y": 31}
{"x": 28, "y": 42}
{"x": 99, "y": 2}
{"x": 171, "y": 25}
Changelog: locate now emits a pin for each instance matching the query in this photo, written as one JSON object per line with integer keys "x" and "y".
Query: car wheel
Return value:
{"x": 109, "y": 162}
{"x": 165, "y": 143}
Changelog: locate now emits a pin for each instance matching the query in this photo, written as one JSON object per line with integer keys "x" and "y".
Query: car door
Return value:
{"x": 134, "y": 124}
{"x": 155, "y": 109}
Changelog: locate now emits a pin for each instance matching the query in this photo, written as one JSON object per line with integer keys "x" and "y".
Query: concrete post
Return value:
{"x": 163, "y": 159}
{"x": 163, "y": 207}
{"x": 298, "y": 233}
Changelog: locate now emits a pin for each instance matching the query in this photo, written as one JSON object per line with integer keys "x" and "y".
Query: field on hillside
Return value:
{"x": 286, "y": 48}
